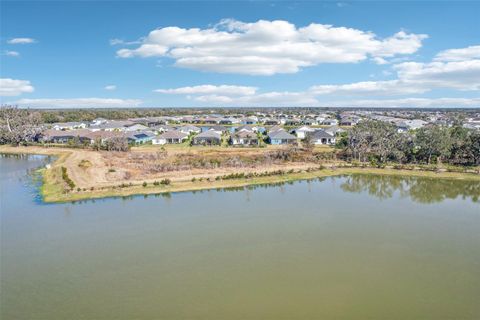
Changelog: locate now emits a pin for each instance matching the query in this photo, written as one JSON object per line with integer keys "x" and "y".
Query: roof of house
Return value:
{"x": 188, "y": 127}
{"x": 276, "y": 128}
{"x": 245, "y": 128}
{"x": 281, "y": 134}
{"x": 209, "y": 134}
{"x": 320, "y": 134}
{"x": 140, "y": 135}
{"x": 304, "y": 129}
{"x": 218, "y": 128}
{"x": 334, "y": 129}
{"x": 245, "y": 134}
{"x": 174, "y": 134}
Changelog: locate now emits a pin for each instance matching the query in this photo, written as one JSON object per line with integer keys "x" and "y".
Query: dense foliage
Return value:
{"x": 18, "y": 125}
{"x": 377, "y": 141}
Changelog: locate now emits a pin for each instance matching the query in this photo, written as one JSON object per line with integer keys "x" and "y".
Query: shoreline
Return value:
{"x": 53, "y": 190}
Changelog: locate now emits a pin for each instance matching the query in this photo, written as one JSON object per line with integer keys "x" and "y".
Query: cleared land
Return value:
{"x": 152, "y": 169}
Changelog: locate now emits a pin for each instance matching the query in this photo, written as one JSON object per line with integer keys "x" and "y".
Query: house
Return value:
{"x": 246, "y": 138}
{"x": 162, "y": 128}
{"x": 330, "y": 122}
{"x": 140, "y": 137}
{"x": 281, "y": 137}
{"x": 112, "y": 126}
{"x": 170, "y": 137}
{"x": 271, "y": 122}
{"x": 60, "y": 136}
{"x": 211, "y": 120}
{"x": 229, "y": 121}
{"x": 249, "y": 120}
{"x": 319, "y": 137}
{"x": 136, "y": 127}
{"x": 98, "y": 121}
{"x": 247, "y": 128}
{"x": 219, "y": 129}
{"x": 349, "y": 120}
{"x": 188, "y": 129}
{"x": 275, "y": 128}
{"x": 209, "y": 137}
{"x": 334, "y": 130}
{"x": 69, "y": 125}
{"x": 302, "y": 131}
{"x": 406, "y": 125}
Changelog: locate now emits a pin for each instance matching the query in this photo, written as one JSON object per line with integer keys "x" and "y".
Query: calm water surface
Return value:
{"x": 358, "y": 247}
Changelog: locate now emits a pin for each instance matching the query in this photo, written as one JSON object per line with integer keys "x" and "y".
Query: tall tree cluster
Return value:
{"x": 381, "y": 141}
{"x": 18, "y": 125}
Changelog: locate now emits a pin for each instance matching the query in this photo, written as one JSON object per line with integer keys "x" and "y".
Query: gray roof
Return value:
{"x": 173, "y": 135}
{"x": 209, "y": 134}
{"x": 281, "y": 134}
{"x": 320, "y": 134}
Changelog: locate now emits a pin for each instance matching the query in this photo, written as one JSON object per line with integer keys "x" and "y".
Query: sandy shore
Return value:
{"x": 99, "y": 174}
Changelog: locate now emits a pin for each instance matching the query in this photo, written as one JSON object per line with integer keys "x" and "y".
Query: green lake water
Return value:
{"x": 352, "y": 247}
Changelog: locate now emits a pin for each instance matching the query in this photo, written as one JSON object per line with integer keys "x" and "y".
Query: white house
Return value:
{"x": 320, "y": 137}
{"x": 303, "y": 131}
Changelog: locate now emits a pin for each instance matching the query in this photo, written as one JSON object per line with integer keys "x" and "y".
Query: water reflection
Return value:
{"x": 418, "y": 189}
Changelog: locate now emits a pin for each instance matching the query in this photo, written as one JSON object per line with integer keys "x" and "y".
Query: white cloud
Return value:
{"x": 110, "y": 87}
{"x": 461, "y": 54}
{"x": 408, "y": 102}
{"x": 417, "y": 77}
{"x": 375, "y": 88}
{"x": 211, "y": 89}
{"x": 12, "y": 53}
{"x": 268, "y": 47}
{"x": 459, "y": 75}
{"x": 13, "y": 87}
{"x": 78, "y": 103}
{"x": 114, "y": 42}
{"x": 21, "y": 41}
{"x": 274, "y": 98}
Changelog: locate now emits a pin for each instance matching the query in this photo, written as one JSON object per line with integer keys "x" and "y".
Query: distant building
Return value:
{"x": 170, "y": 137}
{"x": 244, "y": 138}
{"x": 321, "y": 137}
{"x": 209, "y": 137}
{"x": 280, "y": 137}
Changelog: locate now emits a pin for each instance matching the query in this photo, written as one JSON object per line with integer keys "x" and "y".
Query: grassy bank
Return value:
{"x": 55, "y": 187}
{"x": 52, "y": 193}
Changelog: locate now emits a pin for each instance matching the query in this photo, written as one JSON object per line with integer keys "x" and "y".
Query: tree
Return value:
{"x": 117, "y": 144}
{"x": 433, "y": 141}
{"x": 307, "y": 143}
{"x": 18, "y": 125}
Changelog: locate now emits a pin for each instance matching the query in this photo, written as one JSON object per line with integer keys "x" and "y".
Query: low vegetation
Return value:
{"x": 67, "y": 179}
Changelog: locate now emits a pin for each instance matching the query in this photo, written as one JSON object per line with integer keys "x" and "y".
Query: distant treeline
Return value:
{"x": 67, "y": 115}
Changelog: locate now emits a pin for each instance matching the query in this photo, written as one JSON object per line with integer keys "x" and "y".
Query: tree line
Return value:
{"x": 380, "y": 142}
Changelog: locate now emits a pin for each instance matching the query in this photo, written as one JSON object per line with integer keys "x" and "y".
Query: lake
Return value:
{"x": 351, "y": 247}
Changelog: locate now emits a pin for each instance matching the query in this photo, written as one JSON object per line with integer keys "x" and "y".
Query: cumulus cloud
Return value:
{"x": 78, "y": 103}
{"x": 273, "y": 98}
{"x": 459, "y": 71}
{"x": 211, "y": 90}
{"x": 269, "y": 47}
{"x": 110, "y": 87}
{"x": 21, "y": 41}
{"x": 409, "y": 103}
{"x": 13, "y": 87}
{"x": 375, "y": 88}
{"x": 459, "y": 75}
{"x": 12, "y": 53}
{"x": 461, "y": 54}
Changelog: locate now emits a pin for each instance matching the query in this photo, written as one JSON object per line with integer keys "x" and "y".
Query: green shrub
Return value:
{"x": 165, "y": 181}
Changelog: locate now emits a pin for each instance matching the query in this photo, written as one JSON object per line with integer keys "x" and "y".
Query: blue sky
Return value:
{"x": 228, "y": 53}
